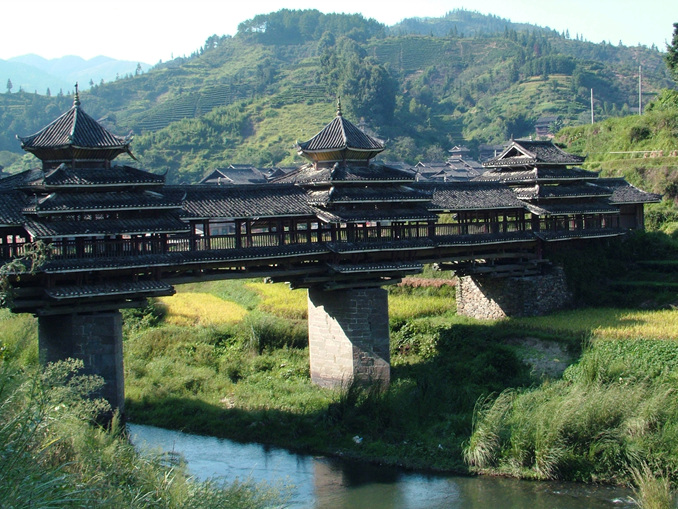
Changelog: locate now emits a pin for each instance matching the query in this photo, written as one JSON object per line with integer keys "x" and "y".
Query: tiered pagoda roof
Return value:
{"x": 340, "y": 140}
{"x": 75, "y": 136}
{"x": 345, "y": 186}
{"x": 624, "y": 193}
{"x": 532, "y": 153}
{"x": 542, "y": 177}
{"x": 77, "y": 192}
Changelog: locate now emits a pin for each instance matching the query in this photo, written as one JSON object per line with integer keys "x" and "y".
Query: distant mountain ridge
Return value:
{"x": 249, "y": 98}
{"x": 460, "y": 22}
{"x": 33, "y": 73}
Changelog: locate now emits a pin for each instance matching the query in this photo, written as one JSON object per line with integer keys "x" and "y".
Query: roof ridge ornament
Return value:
{"x": 76, "y": 96}
{"x": 339, "y": 114}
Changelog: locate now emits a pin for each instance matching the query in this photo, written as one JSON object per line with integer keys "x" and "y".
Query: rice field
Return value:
{"x": 608, "y": 323}
{"x": 201, "y": 309}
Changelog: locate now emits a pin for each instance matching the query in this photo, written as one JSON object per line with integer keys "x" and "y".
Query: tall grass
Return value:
{"x": 51, "y": 455}
{"x": 614, "y": 408}
{"x": 279, "y": 300}
{"x": 651, "y": 491}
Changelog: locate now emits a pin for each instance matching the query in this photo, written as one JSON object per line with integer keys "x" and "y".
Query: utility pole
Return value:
{"x": 592, "y": 106}
{"x": 640, "y": 90}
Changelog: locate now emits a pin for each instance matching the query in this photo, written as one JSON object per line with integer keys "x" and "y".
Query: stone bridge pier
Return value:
{"x": 94, "y": 338}
{"x": 348, "y": 336}
{"x": 491, "y": 298}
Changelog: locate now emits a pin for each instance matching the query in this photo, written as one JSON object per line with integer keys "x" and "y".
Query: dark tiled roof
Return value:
{"x": 561, "y": 191}
{"x": 167, "y": 223}
{"x": 524, "y": 152}
{"x": 623, "y": 192}
{"x": 183, "y": 258}
{"x": 377, "y": 267}
{"x": 235, "y": 175}
{"x": 341, "y": 134}
{"x": 540, "y": 174}
{"x": 384, "y": 214}
{"x": 378, "y": 194}
{"x": 69, "y": 202}
{"x": 64, "y": 176}
{"x": 407, "y": 244}
{"x": 564, "y": 209}
{"x": 121, "y": 288}
{"x": 469, "y": 195}
{"x": 75, "y": 128}
{"x": 21, "y": 179}
{"x": 11, "y": 203}
{"x": 309, "y": 175}
{"x": 245, "y": 201}
{"x": 484, "y": 238}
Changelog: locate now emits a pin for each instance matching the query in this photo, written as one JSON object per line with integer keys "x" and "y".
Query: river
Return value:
{"x": 324, "y": 483}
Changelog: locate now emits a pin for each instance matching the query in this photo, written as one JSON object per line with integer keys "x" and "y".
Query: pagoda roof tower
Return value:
{"x": 345, "y": 186}
{"x": 340, "y": 140}
{"x": 533, "y": 153}
{"x": 75, "y": 136}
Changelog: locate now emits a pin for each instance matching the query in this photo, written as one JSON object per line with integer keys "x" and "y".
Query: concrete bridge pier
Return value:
{"x": 96, "y": 339}
{"x": 348, "y": 336}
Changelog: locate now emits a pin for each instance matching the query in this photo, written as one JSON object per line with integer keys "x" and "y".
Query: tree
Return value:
{"x": 9, "y": 86}
{"x": 671, "y": 56}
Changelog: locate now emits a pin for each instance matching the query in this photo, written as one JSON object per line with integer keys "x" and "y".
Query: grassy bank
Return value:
{"x": 247, "y": 378}
{"x": 53, "y": 455}
{"x": 586, "y": 394}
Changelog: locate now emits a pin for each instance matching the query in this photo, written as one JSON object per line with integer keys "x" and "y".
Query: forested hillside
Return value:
{"x": 248, "y": 98}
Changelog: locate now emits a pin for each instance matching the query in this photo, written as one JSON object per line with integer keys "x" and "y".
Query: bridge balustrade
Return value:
{"x": 354, "y": 233}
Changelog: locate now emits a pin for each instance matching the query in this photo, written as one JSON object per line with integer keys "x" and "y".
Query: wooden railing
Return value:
{"x": 155, "y": 245}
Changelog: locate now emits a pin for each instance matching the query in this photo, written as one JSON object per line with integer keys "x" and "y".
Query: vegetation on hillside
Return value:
{"x": 248, "y": 98}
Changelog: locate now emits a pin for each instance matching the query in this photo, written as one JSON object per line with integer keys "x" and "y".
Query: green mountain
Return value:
{"x": 248, "y": 98}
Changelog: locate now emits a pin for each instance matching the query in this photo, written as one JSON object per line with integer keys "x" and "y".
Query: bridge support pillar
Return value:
{"x": 94, "y": 338}
{"x": 491, "y": 298}
{"x": 348, "y": 336}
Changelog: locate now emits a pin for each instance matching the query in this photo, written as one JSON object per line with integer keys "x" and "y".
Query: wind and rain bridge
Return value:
{"x": 93, "y": 237}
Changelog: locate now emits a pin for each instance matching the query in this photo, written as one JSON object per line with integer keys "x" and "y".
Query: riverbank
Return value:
{"x": 52, "y": 454}
{"x": 248, "y": 380}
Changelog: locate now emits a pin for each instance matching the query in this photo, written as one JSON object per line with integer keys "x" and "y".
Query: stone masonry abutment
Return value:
{"x": 94, "y": 338}
{"x": 348, "y": 336}
{"x": 491, "y": 298}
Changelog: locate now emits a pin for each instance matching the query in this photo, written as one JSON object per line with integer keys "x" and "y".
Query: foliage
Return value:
{"x": 652, "y": 491}
{"x": 248, "y": 98}
{"x": 621, "y": 272}
{"x": 671, "y": 56}
{"x": 34, "y": 254}
{"x": 288, "y": 26}
{"x": 52, "y": 456}
{"x": 613, "y": 410}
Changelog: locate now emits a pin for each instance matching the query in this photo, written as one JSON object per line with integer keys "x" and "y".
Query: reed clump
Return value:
{"x": 616, "y": 407}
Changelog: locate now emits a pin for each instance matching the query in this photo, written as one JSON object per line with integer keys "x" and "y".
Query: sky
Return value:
{"x": 149, "y": 31}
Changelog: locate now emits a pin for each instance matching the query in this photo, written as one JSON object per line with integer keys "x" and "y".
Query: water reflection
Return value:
{"x": 324, "y": 483}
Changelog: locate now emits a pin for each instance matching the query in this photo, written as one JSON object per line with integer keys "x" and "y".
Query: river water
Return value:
{"x": 331, "y": 483}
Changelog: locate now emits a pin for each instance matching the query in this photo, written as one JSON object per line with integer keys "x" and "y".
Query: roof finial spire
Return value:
{"x": 76, "y": 97}
{"x": 338, "y": 106}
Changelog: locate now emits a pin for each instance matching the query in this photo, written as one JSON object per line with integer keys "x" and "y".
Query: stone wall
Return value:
{"x": 94, "y": 338}
{"x": 488, "y": 298}
{"x": 348, "y": 336}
